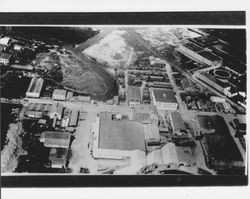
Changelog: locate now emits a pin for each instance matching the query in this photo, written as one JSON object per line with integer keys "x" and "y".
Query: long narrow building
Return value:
{"x": 35, "y": 87}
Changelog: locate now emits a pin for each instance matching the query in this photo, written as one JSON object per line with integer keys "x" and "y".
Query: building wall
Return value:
{"x": 32, "y": 94}
{"x": 166, "y": 106}
{"x": 58, "y": 97}
{"x": 132, "y": 104}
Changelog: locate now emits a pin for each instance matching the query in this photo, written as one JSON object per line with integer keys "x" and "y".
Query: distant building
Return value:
{"x": 146, "y": 95}
{"x": 217, "y": 99}
{"x": 69, "y": 95}
{"x": 164, "y": 99}
{"x": 74, "y": 118}
{"x": 2, "y": 48}
{"x": 65, "y": 121}
{"x": 18, "y": 47}
{"x": 58, "y": 157}
{"x": 176, "y": 155}
{"x": 121, "y": 94}
{"x": 55, "y": 139}
{"x": 85, "y": 99}
{"x": 188, "y": 85}
{"x": 116, "y": 138}
{"x": 56, "y": 111}
{"x": 22, "y": 67}
{"x": 221, "y": 149}
{"x": 156, "y": 84}
{"x": 134, "y": 96}
{"x": 5, "y": 41}
{"x": 146, "y": 113}
{"x": 116, "y": 99}
{"x": 203, "y": 57}
{"x": 214, "y": 83}
{"x": 36, "y": 110}
{"x": 59, "y": 94}
{"x": 35, "y": 87}
{"x": 156, "y": 62}
{"x": 5, "y": 58}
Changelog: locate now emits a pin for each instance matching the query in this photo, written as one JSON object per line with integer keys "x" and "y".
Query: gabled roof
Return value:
{"x": 56, "y": 139}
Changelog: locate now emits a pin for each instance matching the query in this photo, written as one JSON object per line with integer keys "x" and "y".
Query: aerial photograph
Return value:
{"x": 123, "y": 100}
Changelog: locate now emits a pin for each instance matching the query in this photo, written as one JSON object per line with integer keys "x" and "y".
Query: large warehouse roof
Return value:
{"x": 121, "y": 135}
{"x": 164, "y": 95}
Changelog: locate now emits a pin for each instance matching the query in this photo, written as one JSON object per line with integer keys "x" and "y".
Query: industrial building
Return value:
{"x": 203, "y": 57}
{"x": 134, "y": 96}
{"x": 156, "y": 62}
{"x": 59, "y": 94}
{"x": 35, "y": 88}
{"x": 172, "y": 155}
{"x": 146, "y": 114}
{"x": 115, "y": 138}
{"x": 177, "y": 123}
{"x": 164, "y": 99}
{"x": 156, "y": 84}
{"x": 56, "y": 111}
{"x": 5, "y": 58}
{"x": 18, "y": 47}
{"x": 214, "y": 83}
{"x": 69, "y": 95}
{"x": 37, "y": 110}
{"x": 74, "y": 118}
{"x": 55, "y": 139}
{"x": 181, "y": 156}
{"x": 188, "y": 85}
{"x": 222, "y": 151}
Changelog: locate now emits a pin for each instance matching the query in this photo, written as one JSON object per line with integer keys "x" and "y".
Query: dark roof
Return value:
{"x": 205, "y": 122}
{"x": 210, "y": 56}
{"x": 164, "y": 95}
{"x": 134, "y": 93}
{"x": 121, "y": 135}
{"x": 5, "y": 55}
{"x": 220, "y": 145}
{"x": 187, "y": 83}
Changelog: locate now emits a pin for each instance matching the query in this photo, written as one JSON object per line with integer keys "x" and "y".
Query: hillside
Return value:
{"x": 114, "y": 50}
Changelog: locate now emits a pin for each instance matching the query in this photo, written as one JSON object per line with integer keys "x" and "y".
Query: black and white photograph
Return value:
{"x": 106, "y": 101}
